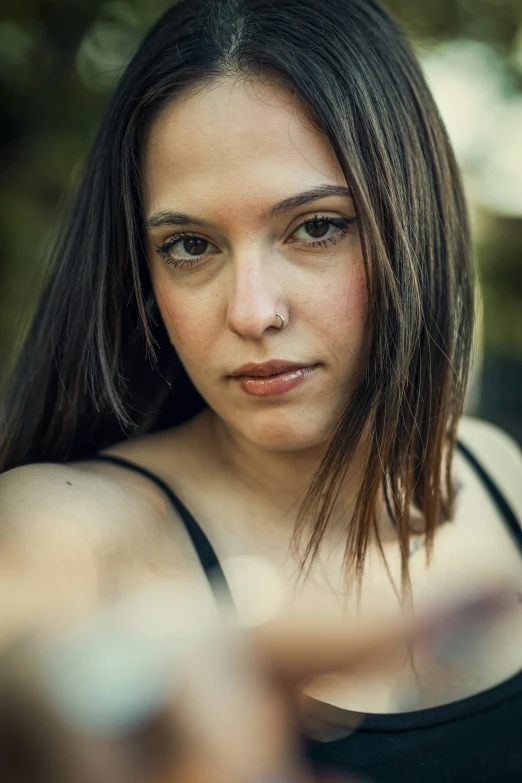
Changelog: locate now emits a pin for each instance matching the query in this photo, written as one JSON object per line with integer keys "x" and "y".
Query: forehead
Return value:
{"x": 232, "y": 144}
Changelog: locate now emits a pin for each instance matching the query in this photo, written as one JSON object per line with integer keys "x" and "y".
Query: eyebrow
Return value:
{"x": 166, "y": 218}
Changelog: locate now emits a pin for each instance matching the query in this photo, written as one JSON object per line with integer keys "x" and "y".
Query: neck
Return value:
{"x": 278, "y": 478}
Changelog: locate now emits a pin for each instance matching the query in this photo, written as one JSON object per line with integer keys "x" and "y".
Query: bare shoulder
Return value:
{"x": 76, "y": 537}
{"x": 45, "y": 490}
{"x": 499, "y": 454}
{"x": 124, "y": 522}
{"x": 48, "y": 483}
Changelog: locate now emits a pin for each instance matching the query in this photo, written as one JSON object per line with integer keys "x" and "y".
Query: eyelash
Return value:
{"x": 342, "y": 224}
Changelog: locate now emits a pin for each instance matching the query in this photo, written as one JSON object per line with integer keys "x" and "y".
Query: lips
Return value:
{"x": 267, "y": 369}
{"x": 272, "y": 379}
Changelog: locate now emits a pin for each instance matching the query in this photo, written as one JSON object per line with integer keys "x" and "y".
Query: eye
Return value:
{"x": 322, "y": 229}
{"x": 189, "y": 243}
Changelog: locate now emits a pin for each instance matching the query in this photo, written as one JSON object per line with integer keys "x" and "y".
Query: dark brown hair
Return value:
{"x": 96, "y": 365}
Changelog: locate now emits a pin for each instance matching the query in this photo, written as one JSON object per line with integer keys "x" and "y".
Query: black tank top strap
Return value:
{"x": 514, "y": 524}
{"x": 202, "y": 545}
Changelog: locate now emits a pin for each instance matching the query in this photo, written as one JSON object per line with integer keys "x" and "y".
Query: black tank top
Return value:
{"x": 477, "y": 739}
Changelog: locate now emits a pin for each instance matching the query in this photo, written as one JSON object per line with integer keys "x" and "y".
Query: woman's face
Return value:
{"x": 225, "y": 157}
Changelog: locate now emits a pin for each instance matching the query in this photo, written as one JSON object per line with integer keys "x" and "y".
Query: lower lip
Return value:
{"x": 275, "y": 385}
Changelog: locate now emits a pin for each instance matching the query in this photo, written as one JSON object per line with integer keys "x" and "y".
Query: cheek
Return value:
{"x": 345, "y": 301}
{"x": 190, "y": 323}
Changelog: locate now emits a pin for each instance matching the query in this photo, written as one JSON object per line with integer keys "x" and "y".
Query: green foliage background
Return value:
{"x": 58, "y": 62}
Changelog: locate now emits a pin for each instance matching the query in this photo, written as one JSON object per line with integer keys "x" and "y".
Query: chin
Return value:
{"x": 286, "y": 432}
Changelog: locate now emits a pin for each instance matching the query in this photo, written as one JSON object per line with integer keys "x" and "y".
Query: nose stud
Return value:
{"x": 282, "y": 324}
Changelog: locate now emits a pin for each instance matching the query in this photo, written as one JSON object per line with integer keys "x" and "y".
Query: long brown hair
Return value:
{"x": 97, "y": 366}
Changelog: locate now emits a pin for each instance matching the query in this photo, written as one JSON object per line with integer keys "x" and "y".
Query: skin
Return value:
{"x": 226, "y": 155}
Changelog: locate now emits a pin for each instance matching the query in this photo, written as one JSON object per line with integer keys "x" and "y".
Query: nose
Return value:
{"x": 254, "y": 296}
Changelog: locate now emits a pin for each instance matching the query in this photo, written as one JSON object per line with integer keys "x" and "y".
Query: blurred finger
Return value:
{"x": 306, "y": 644}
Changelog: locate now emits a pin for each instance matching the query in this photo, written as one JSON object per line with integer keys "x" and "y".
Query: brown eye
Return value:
{"x": 323, "y": 230}
{"x": 317, "y": 228}
{"x": 190, "y": 249}
{"x": 194, "y": 245}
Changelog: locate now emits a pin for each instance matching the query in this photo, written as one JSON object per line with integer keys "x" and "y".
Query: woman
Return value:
{"x": 263, "y": 301}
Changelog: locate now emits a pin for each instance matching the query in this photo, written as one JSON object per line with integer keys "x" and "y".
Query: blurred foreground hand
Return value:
{"x": 168, "y": 687}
